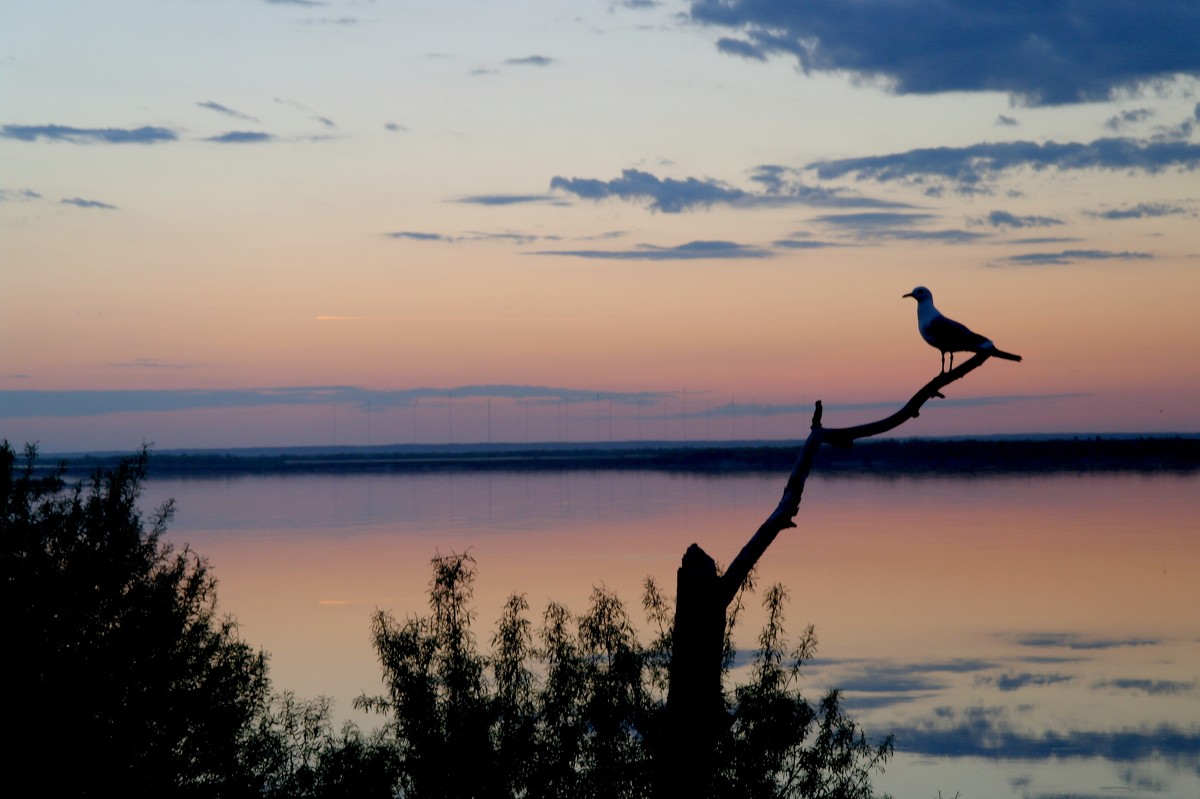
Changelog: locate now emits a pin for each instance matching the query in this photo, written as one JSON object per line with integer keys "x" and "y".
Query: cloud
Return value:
{"x": 18, "y": 195}
{"x": 142, "y": 135}
{"x": 1143, "y": 211}
{"x": 1038, "y": 53}
{"x": 693, "y": 250}
{"x": 417, "y": 236}
{"x": 395, "y": 127}
{"x": 974, "y": 164}
{"x": 1071, "y": 256}
{"x": 980, "y": 731}
{"x": 530, "y": 61}
{"x": 22, "y": 404}
{"x": 1007, "y": 121}
{"x": 971, "y": 166}
{"x": 1004, "y": 219}
{"x": 241, "y": 137}
{"x": 519, "y": 238}
{"x": 1126, "y": 118}
{"x": 878, "y": 225}
{"x": 306, "y": 3}
{"x": 82, "y": 203}
{"x": 671, "y": 195}
{"x": 1014, "y": 682}
{"x": 1155, "y": 687}
{"x": 1073, "y": 641}
{"x": 507, "y": 199}
{"x": 226, "y": 111}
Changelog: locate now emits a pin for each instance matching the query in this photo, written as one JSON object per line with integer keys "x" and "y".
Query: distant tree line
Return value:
{"x": 951, "y": 457}
{"x": 125, "y": 680}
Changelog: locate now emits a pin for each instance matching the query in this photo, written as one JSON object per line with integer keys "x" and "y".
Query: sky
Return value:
{"x": 230, "y": 223}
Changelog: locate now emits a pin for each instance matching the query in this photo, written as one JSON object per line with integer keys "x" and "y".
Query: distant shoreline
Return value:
{"x": 943, "y": 457}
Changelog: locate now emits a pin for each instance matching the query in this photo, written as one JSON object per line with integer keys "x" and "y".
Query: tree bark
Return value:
{"x": 695, "y": 707}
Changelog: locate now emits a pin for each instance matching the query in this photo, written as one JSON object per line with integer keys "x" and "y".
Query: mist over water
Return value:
{"x": 1022, "y": 636}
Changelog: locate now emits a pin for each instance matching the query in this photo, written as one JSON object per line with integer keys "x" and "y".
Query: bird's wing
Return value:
{"x": 951, "y": 336}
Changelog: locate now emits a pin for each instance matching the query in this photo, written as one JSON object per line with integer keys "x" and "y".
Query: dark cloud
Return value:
{"x": 79, "y": 202}
{"x": 671, "y": 195}
{"x": 1007, "y": 121}
{"x": 988, "y": 732}
{"x": 1142, "y": 211}
{"x": 967, "y": 168}
{"x": 1124, "y": 119}
{"x": 226, "y": 111}
{"x": 417, "y": 236}
{"x": 1037, "y": 52}
{"x": 1073, "y": 641}
{"x": 326, "y": 121}
{"x": 1155, "y": 687}
{"x": 507, "y": 199}
{"x": 740, "y": 48}
{"x": 530, "y": 61}
{"x": 1014, "y": 682}
{"x": 242, "y": 137}
{"x": 142, "y": 135}
{"x": 1071, "y": 256}
{"x": 694, "y": 250}
{"x": 1004, "y": 219}
{"x": 395, "y": 127}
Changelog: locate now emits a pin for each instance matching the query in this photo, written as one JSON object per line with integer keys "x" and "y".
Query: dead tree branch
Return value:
{"x": 781, "y": 518}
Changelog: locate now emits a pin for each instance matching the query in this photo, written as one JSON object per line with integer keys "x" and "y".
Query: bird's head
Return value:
{"x": 920, "y": 294}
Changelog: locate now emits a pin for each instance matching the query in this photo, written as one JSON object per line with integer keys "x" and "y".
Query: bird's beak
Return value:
{"x": 909, "y": 294}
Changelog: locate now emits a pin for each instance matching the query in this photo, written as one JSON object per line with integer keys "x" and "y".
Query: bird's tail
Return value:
{"x": 1008, "y": 356}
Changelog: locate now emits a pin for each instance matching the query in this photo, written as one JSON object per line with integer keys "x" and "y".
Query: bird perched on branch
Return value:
{"x": 948, "y": 336}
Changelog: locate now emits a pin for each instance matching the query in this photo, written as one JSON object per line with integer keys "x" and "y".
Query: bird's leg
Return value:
{"x": 944, "y": 361}
{"x": 952, "y": 362}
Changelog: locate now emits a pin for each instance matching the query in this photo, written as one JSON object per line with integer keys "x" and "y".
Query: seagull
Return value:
{"x": 945, "y": 334}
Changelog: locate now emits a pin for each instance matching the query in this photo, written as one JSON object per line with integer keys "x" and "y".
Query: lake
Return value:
{"x": 1023, "y": 636}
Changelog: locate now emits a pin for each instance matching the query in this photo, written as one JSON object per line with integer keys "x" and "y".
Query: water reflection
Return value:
{"x": 1022, "y": 636}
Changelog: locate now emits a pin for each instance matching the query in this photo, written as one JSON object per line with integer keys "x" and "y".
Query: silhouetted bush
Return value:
{"x": 122, "y": 679}
{"x": 577, "y": 710}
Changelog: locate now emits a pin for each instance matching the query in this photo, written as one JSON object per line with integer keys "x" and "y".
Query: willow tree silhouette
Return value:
{"x": 695, "y": 714}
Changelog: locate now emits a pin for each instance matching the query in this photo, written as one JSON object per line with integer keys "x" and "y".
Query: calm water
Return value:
{"x": 1023, "y": 636}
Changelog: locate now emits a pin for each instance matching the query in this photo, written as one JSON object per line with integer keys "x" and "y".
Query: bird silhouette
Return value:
{"x": 948, "y": 336}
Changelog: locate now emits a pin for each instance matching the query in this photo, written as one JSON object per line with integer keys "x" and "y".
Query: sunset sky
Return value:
{"x": 236, "y": 223}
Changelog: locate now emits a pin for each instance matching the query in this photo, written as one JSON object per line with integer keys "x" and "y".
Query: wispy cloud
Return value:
{"x": 877, "y": 225}
{"x": 18, "y": 195}
{"x": 225, "y": 110}
{"x": 143, "y": 135}
{"x": 968, "y": 168}
{"x": 1143, "y": 211}
{"x": 1004, "y": 219}
{"x": 1154, "y": 687}
{"x": 507, "y": 199}
{"x": 242, "y": 137}
{"x": 530, "y": 61}
{"x": 1075, "y": 641}
{"x": 1072, "y": 256}
{"x": 1036, "y": 52}
{"x": 79, "y": 202}
{"x": 692, "y": 251}
{"x": 673, "y": 195}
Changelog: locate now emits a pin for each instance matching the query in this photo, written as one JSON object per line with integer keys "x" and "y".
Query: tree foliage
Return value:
{"x": 576, "y": 708}
{"x": 125, "y": 680}
{"x": 122, "y": 676}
